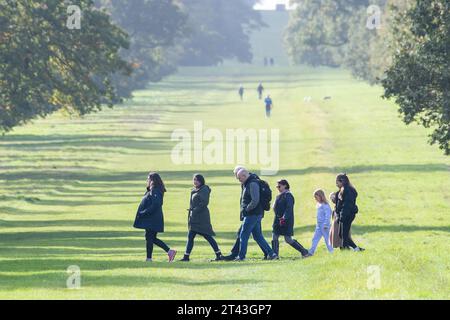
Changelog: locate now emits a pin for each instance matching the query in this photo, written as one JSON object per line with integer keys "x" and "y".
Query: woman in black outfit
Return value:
{"x": 199, "y": 220}
{"x": 346, "y": 210}
{"x": 150, "y": 215}
{"x": 283, "y": 222}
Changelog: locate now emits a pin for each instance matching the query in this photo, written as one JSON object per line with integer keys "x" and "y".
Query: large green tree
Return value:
{"x": 154, "y": 26}
{"x": 218, "y": 30}
{"x": 335, "y": 33}
{"x": 319, "y": 30}
{"x": 419, "y": 78}
{"x": 45, "y": 66}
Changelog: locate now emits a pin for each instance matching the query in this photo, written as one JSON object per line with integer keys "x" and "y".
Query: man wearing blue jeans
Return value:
{"x": 237, "y": 244}
{"x": 252, "y": 212}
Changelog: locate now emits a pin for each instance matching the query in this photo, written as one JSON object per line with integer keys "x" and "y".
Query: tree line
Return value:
{"x": 121, "y": 46}
{"x": 408, "y": 53}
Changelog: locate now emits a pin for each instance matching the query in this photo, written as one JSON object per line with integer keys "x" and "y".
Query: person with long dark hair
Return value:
{"x": 283, "y": 222}
{"x": 346, "y": 210}
{"x": 199, "y": 220}
{"x": 150, "y": 216}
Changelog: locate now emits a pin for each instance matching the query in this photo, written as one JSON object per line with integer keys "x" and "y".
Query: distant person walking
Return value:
{"x": 272, "y": 62}
{"x": 283, "y": 222}
{"x": 346, "y": 210}
{"x": 241, "y": 92}
{"x": 265, "y": 61}
{"x": 252, "y": 211}
{"x": 269, "y": 105}
{"x": 199, "y": 220}
{"x": 235, "y": 250}
{"x": 323, "y": 222}
{"x": 260, "y": 90}
{"x": 150, "y": 216}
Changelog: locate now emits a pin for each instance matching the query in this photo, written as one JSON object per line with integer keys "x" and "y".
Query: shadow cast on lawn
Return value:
{"x": 57, "y": 279}
{"x": 187, "y": 174}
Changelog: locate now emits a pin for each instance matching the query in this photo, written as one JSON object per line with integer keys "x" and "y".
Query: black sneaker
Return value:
{"x": 231, "y": 257}
{"x": 185, "y": 259}
{"x": 274, "y": 256}
{"x": 219, "y": 258}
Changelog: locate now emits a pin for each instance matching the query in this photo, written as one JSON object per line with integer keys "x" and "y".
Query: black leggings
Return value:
{"x": 210, "y": 239}
{"x": 151, "y": 238}
{"x": 345, "y": 232}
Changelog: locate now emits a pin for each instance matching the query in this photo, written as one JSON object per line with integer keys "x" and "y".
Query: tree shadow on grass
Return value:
{"x": 57, "y": 279}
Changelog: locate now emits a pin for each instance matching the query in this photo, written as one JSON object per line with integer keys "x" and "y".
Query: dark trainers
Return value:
{"x": 231, "y": 257}
{"x": 185, "y": 258}
{"x": 219, "y": 258}
{"x": 274, "y": 256}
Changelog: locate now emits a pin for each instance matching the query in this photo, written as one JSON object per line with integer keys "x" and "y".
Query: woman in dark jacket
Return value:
{"x": 283, "y": 223}
{"x": 150, "y": 215}
{"x": 199, "y": 220}
{"x": 346, "y": 210}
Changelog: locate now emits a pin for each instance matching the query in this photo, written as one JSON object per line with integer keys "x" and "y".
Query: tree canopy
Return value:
{"x": 153, "y": 26}
{"x": 419, "y": 77}
{"x": 409, "y": 54}
{"x": 217, "y": 30}
{"x": 45, "y": 66}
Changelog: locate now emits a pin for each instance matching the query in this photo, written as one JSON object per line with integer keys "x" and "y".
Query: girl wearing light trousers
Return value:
{"x": 323, "y": 222}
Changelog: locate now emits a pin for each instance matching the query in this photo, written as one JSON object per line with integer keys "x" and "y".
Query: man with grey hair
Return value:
{"x": 237, "y": 244}
{"x": 252, "y": 213}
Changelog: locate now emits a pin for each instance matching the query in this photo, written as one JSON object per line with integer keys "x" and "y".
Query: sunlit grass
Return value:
{"x": 69, "y": 190}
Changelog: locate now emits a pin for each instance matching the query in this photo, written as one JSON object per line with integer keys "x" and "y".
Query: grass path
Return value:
{"x": 69, "y": 190}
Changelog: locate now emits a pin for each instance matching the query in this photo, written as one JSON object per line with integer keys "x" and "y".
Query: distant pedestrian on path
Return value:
{"x": 260, "y": 90}
{"x": 269, "y": 105}
{"x": 241, "y": 92}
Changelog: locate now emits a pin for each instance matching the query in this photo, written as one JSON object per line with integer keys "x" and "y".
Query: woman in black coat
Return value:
{"x": 346, "y": 210}
{"x": 283, "y": 223}
{"x": 199, "y": 220}
{"x": 150, "y": 215}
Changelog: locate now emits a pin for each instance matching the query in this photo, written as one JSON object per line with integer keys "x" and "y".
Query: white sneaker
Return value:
{"x": 148, "y": 260}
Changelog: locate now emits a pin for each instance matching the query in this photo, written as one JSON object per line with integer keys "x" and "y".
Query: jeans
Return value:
{"x": 151, "y": 238}
{"x": 268, "y": 110}
{"x": 321, "y": 231}
{"x": 237, "y": 244}
{"x": 252, "y": 225}
{"x": 210, "y": 239}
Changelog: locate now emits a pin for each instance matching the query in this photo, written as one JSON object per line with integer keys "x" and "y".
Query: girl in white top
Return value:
{"x": 323, "y": 222}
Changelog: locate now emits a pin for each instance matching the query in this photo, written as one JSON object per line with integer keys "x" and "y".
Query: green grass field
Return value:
{"x": 69, "y": 189}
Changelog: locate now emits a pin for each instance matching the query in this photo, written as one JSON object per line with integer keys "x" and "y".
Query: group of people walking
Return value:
{"x": 254, "y": 201}
{"x": 267, "y": 101}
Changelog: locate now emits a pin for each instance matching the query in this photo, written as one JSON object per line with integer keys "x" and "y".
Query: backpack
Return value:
{"x": 265, "y": 194}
